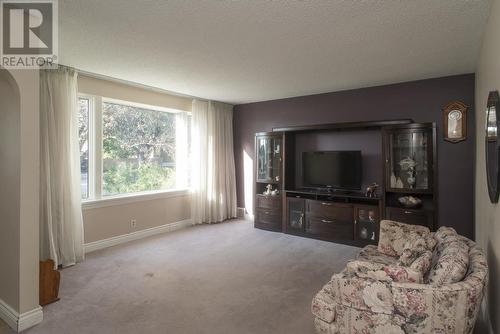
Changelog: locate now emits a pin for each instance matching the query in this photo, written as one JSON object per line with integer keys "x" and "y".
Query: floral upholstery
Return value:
{"x": 451, "y": 259}
{"x": 365, "y": 299}
{"x": 423, "y": 262}
{"x": 383, "y": 272}
{"x": 395, "y": 237}
{"x": 371, "y": 254}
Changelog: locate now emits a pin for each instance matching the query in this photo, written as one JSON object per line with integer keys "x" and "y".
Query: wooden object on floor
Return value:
{"x": 49, "y": 283}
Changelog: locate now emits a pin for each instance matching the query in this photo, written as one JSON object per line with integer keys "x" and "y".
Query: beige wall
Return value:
{"x": 105, "y": 220}
{"x": 114, "y": 220}
{"x": 10, "y": 178}
{"x": 121, "y": 91}
{"x": 19, "y": 192}
{"x": 28, "y": 82}
{"x": 487, "y": 214}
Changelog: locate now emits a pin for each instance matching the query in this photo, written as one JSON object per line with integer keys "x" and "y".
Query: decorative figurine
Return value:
{"x": 269, "y": 190}
{"x": 371, "y": 190}
{"x": 408, "y": 164}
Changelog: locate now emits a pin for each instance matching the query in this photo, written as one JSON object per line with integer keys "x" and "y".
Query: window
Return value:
{"x": 83, "y": 134}
{"x": 141, "y": 148}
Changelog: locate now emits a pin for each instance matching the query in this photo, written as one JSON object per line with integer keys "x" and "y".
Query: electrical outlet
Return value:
{"x": 133, "y": 223}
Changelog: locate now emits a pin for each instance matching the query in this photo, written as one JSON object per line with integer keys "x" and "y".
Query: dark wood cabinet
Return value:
{"x": 268, "y": 148}
{"x": 366, "y": 223}
{"x": 329, "y": 220}
{"x": 268, "y": 212}
{"x": 410, "y": 165}
{"x": 268, "y": 172}
{"x": 295, "y": 215}
{"x": 268, "y": 202}
{"x": 409, "y": 216}
{"x": 336, "y": 212}
{"x": 409, "y": 159}
{"x": 268, "y": 219}
{"x": 406, "y": 165}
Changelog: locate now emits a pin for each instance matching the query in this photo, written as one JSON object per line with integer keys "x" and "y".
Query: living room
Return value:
{"x": 249, "y": 167}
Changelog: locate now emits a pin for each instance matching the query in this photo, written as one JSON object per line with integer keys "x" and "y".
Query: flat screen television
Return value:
{"x": 332, "y": 169}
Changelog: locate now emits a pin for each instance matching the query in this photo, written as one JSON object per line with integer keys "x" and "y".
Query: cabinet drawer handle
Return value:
{"x": 408, "y": 212}
{"x": 327, "y": 221}
{"x": 326, "y": 204}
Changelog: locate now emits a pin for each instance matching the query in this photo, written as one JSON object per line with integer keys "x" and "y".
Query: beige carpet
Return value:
{"x": 223, "y": 278}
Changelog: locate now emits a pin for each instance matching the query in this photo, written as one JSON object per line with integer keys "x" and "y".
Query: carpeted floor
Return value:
{"x": 223, "y": 278}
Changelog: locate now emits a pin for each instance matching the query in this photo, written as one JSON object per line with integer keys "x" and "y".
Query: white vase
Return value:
{"x": 399, "y": 183}
{"x": 393, "y": 180}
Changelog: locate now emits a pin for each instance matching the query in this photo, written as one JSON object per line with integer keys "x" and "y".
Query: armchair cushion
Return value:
{"x": 413, "y": 247}
{"x": 450, "y": 261}
{"x": 370, "y": 253}
{"x": 394, "y": 236}
{"x": 423, "y": 262}
{"x": 381, "y": 272}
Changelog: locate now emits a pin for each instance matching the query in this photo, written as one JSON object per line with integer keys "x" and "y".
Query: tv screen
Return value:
{"x": 332, "y": 169}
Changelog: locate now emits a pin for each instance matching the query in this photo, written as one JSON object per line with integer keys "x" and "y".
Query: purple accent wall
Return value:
{"x": 420, "y": 100}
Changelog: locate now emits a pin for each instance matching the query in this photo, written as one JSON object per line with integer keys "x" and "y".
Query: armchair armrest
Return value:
{"x": 363, "y": 293}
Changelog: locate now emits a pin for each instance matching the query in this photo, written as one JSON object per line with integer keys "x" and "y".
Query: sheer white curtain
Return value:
{"x": 213, "y": 175}
{"x": 61, "y": 226}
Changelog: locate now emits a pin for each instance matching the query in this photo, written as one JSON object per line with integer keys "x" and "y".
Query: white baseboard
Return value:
{"x": 20, "y": 321}
{"x": 101, "y": 244}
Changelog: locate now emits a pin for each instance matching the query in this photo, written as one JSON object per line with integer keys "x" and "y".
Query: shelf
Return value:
{"x": 415, "y": 210}
{"x": 267, "y": 181}
{"x": 410, "y": 191}
{"x": 333, "y": 194}
{"x": 343, "y": 126}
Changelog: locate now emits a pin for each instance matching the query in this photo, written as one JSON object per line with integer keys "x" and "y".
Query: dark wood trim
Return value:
{"x": 344, "y": 125}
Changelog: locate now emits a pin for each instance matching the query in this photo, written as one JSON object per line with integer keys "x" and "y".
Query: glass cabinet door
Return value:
{"x": 268, "y": 158}
{"x": 409, "y": 160}
{"x": 366, "y": 223}
{"x": 296, "y": 213}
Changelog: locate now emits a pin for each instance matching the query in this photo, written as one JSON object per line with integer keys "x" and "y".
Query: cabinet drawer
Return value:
{"x": 408, "y": 216}
{"x": 329, "y": 229}
{"x": 268, "y": 202}
{"x": 268, "y": 217}
{"x": 330, "y": 211}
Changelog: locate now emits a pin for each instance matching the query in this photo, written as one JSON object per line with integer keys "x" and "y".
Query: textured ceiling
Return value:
{"x": 252, "y": 50}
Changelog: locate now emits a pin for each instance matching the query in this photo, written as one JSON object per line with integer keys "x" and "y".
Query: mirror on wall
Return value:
{"x": 492, "y": 145}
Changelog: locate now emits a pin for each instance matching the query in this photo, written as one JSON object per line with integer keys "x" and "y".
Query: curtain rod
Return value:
{"x": 131, "y": 83}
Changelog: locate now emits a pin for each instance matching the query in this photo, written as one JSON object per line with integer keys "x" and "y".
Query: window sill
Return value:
{"x": 132, "y": 198}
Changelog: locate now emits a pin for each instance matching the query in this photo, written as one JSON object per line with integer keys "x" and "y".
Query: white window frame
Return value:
{"x": 95, "y": 198}
{"x": 91, "y": 153}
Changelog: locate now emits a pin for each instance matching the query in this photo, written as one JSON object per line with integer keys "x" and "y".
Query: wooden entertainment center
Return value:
{"x": 401, "y": 157}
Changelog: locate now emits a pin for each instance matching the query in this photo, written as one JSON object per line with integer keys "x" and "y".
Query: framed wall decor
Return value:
{"x": 455, "y": 121}
{"x": 492, "y": 145}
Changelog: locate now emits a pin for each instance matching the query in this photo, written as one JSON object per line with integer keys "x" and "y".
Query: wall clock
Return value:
{"x": 455, "y": 121}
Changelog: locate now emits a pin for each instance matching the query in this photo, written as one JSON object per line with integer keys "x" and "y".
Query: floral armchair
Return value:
{"x": 413, "y": 282}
